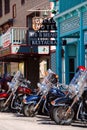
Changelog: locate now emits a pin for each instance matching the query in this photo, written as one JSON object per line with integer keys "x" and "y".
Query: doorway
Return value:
{"x": 72, "y": 64}
{"x": 71, "y": 61}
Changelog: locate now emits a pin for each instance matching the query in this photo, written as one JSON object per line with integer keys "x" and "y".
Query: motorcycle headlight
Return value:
{"x": 86, "y": 101}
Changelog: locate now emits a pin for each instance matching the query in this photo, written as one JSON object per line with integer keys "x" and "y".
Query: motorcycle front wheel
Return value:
{"x": 28, "y": 110}
{"x": 2, "y": 108}
{"x": 52, "y": 112}
{"x": 60, "y": 116}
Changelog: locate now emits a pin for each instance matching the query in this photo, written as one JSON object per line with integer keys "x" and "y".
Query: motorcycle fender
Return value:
{"x": 60, "y": 101}
{"x": 31, "y": 99}
{"x": 31, "y": 102}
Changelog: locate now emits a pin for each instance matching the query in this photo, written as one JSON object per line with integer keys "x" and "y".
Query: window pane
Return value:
{"x": 71, "y": 65}
{"x": 0, "y": 8}
{"x": 22, "y": 2}
{"x": 14, "y": 11}
{"x": 71, "y": 76}
{"x": 7, "y": 6}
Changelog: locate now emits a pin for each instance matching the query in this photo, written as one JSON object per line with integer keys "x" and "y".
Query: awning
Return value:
{"x": 14, "y": 53}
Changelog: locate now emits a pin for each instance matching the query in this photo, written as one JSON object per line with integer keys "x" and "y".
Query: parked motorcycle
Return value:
{"x": 18, "y": 88}
{"x": 74, "y": 105}
{"x": 41, "y": 102}
{"x": 3, "y": 82}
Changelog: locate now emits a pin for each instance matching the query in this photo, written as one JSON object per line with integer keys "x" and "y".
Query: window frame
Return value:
{"x": 1, "y": 8}
{"x": 14, "y": 11}
{"x": 6, "y": 6}
{"x": 22, "y": 2}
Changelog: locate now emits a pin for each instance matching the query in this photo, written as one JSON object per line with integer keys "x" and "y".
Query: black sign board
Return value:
{"x": 48, "y": 24}
{"x": 44, "y": 42}
{"x": 46, "y": 35}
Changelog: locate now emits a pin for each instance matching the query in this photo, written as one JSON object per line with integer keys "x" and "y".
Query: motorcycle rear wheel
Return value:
{"x": 59, "y": 115}
{"x": 28, "y": 110}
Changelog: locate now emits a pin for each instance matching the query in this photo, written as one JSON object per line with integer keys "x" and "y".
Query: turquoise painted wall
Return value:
{"x": 67, "y": 4}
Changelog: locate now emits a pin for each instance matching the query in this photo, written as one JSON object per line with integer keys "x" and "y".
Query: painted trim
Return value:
{"x": 69, "y": 33}
{"x": 82, "y": 49}
{"x": 70, "y": 10}
{"x": 85, "y": 28}
{"x": 52, "y": 0}
{"x": 58, "y": 56}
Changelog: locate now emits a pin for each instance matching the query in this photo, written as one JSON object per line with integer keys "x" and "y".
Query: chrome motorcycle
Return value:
{"x": 40, "y": 103}
{"x": 17, "y": 89}
{"x": 74, "y": 105}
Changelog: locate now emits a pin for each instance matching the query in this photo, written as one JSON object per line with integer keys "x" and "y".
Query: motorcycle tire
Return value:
{"x": 59, "y": 115}
{"x": 2, "y": 108}
{"x": 51, "y": 113}
{"x": 28, "y": 110}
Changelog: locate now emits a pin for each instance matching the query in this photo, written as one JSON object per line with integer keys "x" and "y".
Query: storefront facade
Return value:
{"x": 18, "y": 54}
{"x": 72, "y": 32}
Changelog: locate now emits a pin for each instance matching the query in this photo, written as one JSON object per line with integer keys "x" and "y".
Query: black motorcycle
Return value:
{"x": 41, "y": 102}
{"x": 74, "y": 105}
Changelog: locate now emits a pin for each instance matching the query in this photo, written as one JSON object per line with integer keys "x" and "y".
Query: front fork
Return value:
{"x": 37, "y": 105}
{"x": 8, "y": 99}
{"x": 69, "y": 109}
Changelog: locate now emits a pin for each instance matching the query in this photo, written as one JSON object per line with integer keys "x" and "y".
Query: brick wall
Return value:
{"x": 21, "y": 10}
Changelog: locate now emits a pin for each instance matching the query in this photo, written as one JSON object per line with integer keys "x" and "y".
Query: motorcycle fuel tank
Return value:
{"x": 24, "y": 90}
{"x": 4, "y": 95}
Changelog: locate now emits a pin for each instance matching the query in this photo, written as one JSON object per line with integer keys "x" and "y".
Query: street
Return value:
{"x": 12, "y": 121}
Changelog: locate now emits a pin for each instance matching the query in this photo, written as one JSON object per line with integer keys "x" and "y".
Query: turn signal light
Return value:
{"x": 53, "y": 102}
{"x": 24, "y": 101}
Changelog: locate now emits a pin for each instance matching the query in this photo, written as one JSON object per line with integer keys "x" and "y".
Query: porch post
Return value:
{"x": 81, "y": 43}
{"x": 58, "y": 54}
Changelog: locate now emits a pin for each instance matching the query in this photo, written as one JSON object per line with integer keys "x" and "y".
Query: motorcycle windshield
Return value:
{"x": 78, "y": 83}
{"x": 49, "y": 81}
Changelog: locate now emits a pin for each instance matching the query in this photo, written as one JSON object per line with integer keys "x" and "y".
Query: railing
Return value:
{"x": 14, "y": 35}
{"x": 18, "y": 35}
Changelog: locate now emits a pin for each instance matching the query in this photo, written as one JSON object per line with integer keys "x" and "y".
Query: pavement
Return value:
{"x": 12, "y": 121}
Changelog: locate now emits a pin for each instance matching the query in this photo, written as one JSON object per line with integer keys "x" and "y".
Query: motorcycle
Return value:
{"x": 3, "y": 82}
{"x": 41, "y": 102}
{"x": 18, "y": 88}
{"x": 74, "y": 105}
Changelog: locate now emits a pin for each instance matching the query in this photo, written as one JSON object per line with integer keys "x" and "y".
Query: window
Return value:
{"x": 22, "y": 2}
{"x": 7, "y": 6}
{"x": 0, "y": 8}
{"x": 14, "y": 11}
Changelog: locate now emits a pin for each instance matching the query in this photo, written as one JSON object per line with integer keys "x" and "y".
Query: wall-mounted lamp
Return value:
{"x": 45, "y": 14}
{"x": 54, "y": 11}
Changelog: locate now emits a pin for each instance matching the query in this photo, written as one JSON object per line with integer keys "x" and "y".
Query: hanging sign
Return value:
{"x": 6, "y": 38}
{"x": 44, "y": 32}
{"x": 37, "y": 23}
